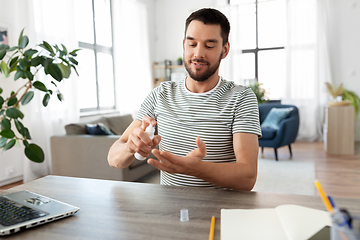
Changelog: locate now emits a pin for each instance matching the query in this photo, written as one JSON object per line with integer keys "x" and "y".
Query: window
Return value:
{"x": 93, "y": 21}
{"x": 262, "y": 36}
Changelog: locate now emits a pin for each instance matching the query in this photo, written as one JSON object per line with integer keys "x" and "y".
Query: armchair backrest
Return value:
{"x": 265, "y": 108}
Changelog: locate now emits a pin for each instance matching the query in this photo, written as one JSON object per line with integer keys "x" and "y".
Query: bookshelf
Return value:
{"x": 162, "y": 71}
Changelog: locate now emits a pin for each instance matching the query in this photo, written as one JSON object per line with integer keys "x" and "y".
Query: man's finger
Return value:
{"x": 201, "y": 147}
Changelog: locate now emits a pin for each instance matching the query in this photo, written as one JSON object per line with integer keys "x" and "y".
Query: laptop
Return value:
{"x": 24, "y": 209}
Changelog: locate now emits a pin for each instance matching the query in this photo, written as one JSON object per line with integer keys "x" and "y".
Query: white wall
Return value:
{"x": 169, "y": 26}
{"x": 345, "y": 46}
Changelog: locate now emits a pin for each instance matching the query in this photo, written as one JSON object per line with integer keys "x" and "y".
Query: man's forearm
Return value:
{"x": 119, "y": 156}
{"x": 238, "y": 176}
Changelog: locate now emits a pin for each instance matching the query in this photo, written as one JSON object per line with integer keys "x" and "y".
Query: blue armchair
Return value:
{"x": 286, "y": 132}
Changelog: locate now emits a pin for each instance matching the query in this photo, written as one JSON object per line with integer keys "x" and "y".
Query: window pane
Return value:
{"x": 272, "y": 23}
{"x": 84, "y": 21}
{"x": 247, "y": 25}
{"x": 247, "y": 61}
{"x": 87, "y": 79}
{"x": 272, "y": 72}
{"x": 103, "y": 22}
{"x": 105, "y": 80}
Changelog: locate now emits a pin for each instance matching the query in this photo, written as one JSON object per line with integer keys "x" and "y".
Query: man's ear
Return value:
{"x": 225, "y": 50}
{"x": 184, "y": 44}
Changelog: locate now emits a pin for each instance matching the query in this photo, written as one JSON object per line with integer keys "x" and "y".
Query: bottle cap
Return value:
{"x": 184, "y": 215}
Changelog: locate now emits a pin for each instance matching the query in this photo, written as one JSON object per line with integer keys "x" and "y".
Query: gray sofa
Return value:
{"x": 79, "y": 154}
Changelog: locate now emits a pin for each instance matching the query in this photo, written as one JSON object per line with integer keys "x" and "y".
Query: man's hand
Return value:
{"x": 171, "y": 163}
{"x": 138, "y": 140}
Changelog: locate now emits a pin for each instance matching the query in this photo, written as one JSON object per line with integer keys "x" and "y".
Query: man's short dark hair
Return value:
{"x": 211, "y": 16}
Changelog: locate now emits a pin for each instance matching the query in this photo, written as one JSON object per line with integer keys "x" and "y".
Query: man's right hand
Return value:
{"x": 134, "y": 139}
{"x": 139, "y": 142}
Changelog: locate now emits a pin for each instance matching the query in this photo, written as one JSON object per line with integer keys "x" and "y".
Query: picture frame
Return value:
{"x": 4, "y": 35}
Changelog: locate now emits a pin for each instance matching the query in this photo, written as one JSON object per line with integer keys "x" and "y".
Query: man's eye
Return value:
{"x": 192, "y": 45}
{"x": 209, "y": 47}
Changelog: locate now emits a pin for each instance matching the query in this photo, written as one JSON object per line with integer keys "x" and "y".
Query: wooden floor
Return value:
{"x": 338, "y": 175}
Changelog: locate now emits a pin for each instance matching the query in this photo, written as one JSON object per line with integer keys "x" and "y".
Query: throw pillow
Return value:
{"x": 275, "y": 116}
{"x": 98, "y": 129}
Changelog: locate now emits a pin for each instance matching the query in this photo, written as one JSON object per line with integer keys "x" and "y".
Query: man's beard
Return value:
{"x": 204, "y": 76}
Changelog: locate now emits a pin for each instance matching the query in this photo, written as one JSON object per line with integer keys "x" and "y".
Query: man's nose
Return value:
{"x": 199, "y": 52}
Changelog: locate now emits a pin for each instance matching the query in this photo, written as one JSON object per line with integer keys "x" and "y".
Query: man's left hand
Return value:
{"x": 171, "y": 163}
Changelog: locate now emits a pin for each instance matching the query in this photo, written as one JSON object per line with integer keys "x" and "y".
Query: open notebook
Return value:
{"x": 285, "y": 222}
{"x": 24, "y": 209}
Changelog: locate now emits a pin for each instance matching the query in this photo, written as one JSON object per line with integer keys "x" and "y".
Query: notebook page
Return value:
{"x": 251, "y": 224}
{"x": 300, "y": 223}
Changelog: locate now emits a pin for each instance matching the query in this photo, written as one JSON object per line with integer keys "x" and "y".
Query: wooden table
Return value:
{"x": 126, "y": 210}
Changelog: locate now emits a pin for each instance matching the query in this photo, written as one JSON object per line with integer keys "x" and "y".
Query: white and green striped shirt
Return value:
{"x": 214, "y": 116}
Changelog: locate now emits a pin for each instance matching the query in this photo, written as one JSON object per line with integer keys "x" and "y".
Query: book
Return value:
{"x": 285, "y": 222}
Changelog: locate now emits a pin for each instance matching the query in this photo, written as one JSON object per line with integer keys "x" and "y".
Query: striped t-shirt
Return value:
{"x": 214, "y": 116}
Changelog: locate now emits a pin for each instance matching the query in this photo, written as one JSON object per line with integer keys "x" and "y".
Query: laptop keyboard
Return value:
{"x": 12, "y": 213}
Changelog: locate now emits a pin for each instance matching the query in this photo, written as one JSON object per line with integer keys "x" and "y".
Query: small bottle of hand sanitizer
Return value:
{"x": 150, "y": 130}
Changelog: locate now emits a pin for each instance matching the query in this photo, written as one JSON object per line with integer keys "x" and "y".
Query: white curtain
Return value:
{"x": 131, "y": 54}
{"x": 52, "y": 21}
{"x": 307, "y": 64}
{"x": 230, "y": 67}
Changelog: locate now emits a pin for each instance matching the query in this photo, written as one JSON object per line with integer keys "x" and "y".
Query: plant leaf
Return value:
{"x": 21, "y": 35}
{"x": 3, "y": 141}
{"x": 65, "y": 70}
{"x": 2, "y": 53}
{"x": 36, "y": 61}
{"x": 29, "y": 75}
{"x": 12, "y": 113}
{"x": 60, "y": 97}
{"x": 5, "y": 68}
{"x": 1, "y": 102}
{"x": 18, "y": 74}
{"x": 54, "y": 71}
{"x": 20, "y": 114}
{"x": 23, "y": 64}
{"x": 47, "y": 47}
{"x": 46, "y": 99}
{"x": 13, "y": 48}
{"x": 23, "y": 42}
{"x": 9, "y": 145}
{"x": 12, "y": 101}
{"x": 20, "y": 127}
{"x": 27, "y": 98}
{"x": 8, "y": 133}
{"x": 73, "y": 61}
{"x": 40, "y": 86}
{"x": 4, "y": 46}
{"x": 34, "y": 153}
{"x": 30, "y": 52}
{"x": 26, "y": 143}
{"x": 5, "y": 124}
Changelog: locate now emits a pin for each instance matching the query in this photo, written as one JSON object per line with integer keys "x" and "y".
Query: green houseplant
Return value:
{"x": 345, "y": 94}
{"x": 259, "y": 92}
{"x": 26, "y": 63}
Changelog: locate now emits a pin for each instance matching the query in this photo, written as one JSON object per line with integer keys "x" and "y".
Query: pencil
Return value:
{"x": 212, "y": 228}
{"x": 324, "y": 197}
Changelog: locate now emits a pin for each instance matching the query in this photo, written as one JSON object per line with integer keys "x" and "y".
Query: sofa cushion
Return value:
{"x": 268, "y": 133}
{"x": 119, "y": 124}
{"x": 80, "y": 128}
{"x": 275, "y": 116}
{"x": 97, "y": 129}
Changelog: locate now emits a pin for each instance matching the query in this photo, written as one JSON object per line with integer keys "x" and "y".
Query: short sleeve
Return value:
{"x": 148, "y": 106}
{"x": 246, "y": 114}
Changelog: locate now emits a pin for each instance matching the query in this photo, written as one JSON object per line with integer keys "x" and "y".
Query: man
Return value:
{"x": 208, "y": 127}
